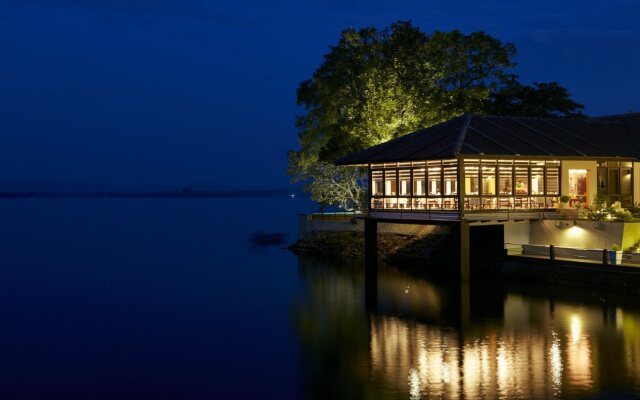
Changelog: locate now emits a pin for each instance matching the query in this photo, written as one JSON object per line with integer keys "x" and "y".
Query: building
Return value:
{"x": 512, "y": 173}
{"x": 475, "y": 164}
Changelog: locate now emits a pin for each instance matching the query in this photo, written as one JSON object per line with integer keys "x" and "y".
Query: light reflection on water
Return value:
{"x": 516, "y": 346}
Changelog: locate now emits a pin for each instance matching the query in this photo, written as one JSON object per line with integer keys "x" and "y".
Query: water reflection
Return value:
{"x": 425, "y": 340}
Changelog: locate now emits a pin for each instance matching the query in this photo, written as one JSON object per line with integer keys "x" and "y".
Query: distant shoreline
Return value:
{"x": 163, "y": 194}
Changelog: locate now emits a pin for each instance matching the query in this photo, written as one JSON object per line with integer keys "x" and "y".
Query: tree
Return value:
{"x": 540, "y": 100}
{"x": 376, "y": 85}
{"x": 331, "y": 185}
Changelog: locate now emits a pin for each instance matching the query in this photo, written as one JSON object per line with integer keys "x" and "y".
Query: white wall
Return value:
{"x": 517, "y": 232}
{"x": 585, "y": 235}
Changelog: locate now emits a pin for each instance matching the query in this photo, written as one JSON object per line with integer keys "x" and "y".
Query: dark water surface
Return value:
{"x": 168, "y": 299}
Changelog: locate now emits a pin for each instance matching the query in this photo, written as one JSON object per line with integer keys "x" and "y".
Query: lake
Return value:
{"x": 169, "y": 299}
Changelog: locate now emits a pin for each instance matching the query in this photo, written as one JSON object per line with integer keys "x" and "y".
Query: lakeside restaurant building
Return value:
{"x": 476, "y": 164}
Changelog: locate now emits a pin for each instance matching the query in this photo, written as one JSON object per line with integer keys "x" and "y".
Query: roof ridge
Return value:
{"x": 627, "y": 114}
{"x": 462, "y": 133}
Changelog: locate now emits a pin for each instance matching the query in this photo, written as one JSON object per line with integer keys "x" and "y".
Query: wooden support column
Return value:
{"x": 371, "y": 264}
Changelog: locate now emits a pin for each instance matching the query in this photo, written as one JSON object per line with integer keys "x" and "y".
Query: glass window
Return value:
{"x": 553, "y": 180}
{"x": 537, "y": 180}
{"x": 390, "y": 183}
{"x": 602, "y": 181}
{"x": 405, "y": 182}
{"x": 505, "y": 174}
{"x": 418, "y": 182}
{"x": 450, "y": 177}
{"x": 488, "y": 178}
{"x": 625, "y": 181}
{"x": 434, "y": 172}
{"x": 614, "y": 181}
{"x": 377, "y": 183}
{"x": 521, "y": 178}
{"x": 578, "y": 184}
{"x": 471, "y": 177}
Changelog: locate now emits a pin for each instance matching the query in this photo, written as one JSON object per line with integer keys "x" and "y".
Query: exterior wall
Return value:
{"x": 592, "y": 177}
{"x": 636, "y": 181}
{"x": 517, "y": 232}
{"x": 587, "y": 234}
{"x": 631, "y": 234}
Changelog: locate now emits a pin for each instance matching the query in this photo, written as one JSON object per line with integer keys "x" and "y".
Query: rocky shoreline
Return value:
{"x": 392, "y": 248}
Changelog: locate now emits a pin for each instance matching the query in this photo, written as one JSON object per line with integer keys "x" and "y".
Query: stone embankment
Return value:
{"x": 392, "y": 248}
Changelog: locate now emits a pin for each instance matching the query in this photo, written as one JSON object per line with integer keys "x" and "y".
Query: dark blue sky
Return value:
{"x": 172, "y": 92}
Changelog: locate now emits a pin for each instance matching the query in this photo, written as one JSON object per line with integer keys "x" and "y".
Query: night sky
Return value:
{"x": 176, "y": 92}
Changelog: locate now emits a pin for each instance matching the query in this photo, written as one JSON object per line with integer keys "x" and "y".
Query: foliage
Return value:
{"x": 635, "y": 210}
{"x": 598, "y": 210}
{"x": 623, "y": 215}
{"x": 330, "y": 185}
{"x": 376, "y": 85}
{"x": 564, "y": 199}
{"x": 540, "y": 100}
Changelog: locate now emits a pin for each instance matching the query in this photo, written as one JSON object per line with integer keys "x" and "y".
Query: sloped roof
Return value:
{"x": 473, "y": 134}
{"x": 631, "y": 119}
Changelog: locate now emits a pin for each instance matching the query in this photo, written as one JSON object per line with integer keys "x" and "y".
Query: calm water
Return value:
{"x": 167, "y": 299}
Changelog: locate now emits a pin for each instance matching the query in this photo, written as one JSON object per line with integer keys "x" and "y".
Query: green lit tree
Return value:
{"x": 376, "y": 85}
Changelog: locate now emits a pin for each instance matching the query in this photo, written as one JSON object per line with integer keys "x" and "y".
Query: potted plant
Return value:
{"x": 615, "y": 254}
{"x": 564, "y": 199}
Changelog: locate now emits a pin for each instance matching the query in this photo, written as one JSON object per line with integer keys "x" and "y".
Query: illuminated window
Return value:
{"x": 450, "y": 177}
{"x": 419, "y": 182}
{"x": 471, "y": 177}
{"x": 537, "y": 180}
{"x": 405, "y": 182}
{"x": 505, "y": 173}
{"x": 434, "y": 172}
{"x": 578, "y": 184}
{"x": 553, "y": 180}
{"x": 488, "y": 178}
{"x": 390, "y": 183}
{"x": 377, "y": 183}
{"x": 522, "y": 178}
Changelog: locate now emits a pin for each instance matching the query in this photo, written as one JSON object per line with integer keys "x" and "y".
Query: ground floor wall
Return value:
{"x": 582, "y": 234}
{"x": 517, "y": 232}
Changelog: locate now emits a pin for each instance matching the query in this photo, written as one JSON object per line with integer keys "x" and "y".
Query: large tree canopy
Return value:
{"x": 375, "y": 85}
